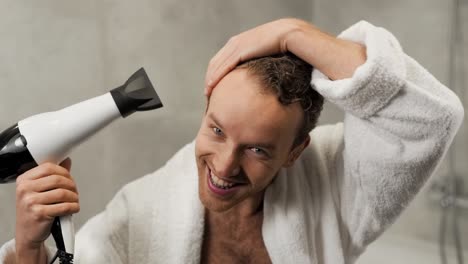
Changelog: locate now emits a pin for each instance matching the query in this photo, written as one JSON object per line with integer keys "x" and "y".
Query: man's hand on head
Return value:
{"x": 264, "y": 40}
{"x": 336, "y": 58}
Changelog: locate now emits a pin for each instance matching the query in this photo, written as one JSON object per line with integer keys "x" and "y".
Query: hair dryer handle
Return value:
{"x": 63, "y": 232}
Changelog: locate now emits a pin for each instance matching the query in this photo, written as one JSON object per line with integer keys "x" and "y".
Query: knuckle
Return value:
{"x": 57, "y": 180}
{"x": 243, "y": 55}
{"x": 47, "y": 168}
{"x": 73, "y": 198}
{"x": 66, "y": 174}
{"x": 69, "y": 208}
{"x": 233, "y": 39}
{"x": 71, "y": 187}
{"x": 38, "y": 213}
{"x": 20, "y": 179}
{"x": 29, "y": 201}
{"x": 71, "y": 180}
{"x": 62, "y": 194}
{"x": 21, "y": 190}
{"x": 62, "y": 208}
{"x": 211, "y": 62}
{"x": 75, "y": 187}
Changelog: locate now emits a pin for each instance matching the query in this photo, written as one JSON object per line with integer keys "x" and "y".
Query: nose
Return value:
{"x": 226, "y": 163}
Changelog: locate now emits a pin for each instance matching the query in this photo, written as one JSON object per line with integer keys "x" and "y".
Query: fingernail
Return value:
{"x": 210, "y": 82}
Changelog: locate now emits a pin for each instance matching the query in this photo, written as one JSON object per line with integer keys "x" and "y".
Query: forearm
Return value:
{"x": 31, "y": 255}
{"x": 399, "y": 122}
{"x": 336, "y": 58}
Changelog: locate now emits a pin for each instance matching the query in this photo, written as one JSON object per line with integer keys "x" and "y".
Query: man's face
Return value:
{"x": 245, "y": 137}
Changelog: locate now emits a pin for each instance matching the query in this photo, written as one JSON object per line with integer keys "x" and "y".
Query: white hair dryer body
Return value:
{"x": 50, "y": 137}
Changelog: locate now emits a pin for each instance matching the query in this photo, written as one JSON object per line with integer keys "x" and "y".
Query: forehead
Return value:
{"x": 246, "y": 110}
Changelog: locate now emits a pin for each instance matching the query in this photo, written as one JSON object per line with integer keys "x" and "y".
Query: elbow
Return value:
{"x": 457, "y": 113}
{"x": 449, "y": 119}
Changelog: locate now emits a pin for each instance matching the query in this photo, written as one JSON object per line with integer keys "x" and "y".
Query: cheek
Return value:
{"x": 259, "y": 174}
{"x": 201, "y": 141}
{"x": 203, "y": 146}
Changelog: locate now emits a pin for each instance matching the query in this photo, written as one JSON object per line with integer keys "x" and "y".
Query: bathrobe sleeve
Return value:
{"x": 399, "y": 122}
{"x": 7, "y": 252}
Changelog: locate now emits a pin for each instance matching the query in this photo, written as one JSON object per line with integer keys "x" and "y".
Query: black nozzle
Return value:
{"x": 137, "y": 94}
{"x": 15, "y": 158}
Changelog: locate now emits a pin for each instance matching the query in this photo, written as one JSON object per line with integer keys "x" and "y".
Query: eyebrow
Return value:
{"x": 212, "y": 117}
{"x": 268, "y": 146}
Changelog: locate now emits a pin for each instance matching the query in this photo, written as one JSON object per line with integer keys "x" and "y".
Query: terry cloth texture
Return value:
{"x": 347, "y": 187}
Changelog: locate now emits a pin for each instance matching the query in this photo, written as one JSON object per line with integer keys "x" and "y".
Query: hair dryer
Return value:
{"x": 49, "y": 137}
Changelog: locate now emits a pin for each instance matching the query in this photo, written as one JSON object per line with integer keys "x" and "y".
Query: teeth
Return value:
{"x": 219, "y": 182}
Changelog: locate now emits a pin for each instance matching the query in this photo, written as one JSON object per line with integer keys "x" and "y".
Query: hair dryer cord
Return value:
{"x": 64, "y": 257}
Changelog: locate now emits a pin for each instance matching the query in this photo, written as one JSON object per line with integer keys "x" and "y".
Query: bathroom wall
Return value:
{"x": 56, "y": 53}
{"x": 50, "y": 57}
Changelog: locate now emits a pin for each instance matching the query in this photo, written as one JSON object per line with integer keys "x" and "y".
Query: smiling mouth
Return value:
{"x": 220, "y": 186}
{"x": 220, "y": 183}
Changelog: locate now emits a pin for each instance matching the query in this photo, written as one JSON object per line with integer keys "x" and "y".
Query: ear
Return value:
{"x": 296, "y": 152}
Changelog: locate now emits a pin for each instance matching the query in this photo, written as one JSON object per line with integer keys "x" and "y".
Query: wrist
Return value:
{"x": 336, "y": 58}
{"x": 31, "y": 253}
{"x": 292, "y": 33}
{"x": 308, "y": 42}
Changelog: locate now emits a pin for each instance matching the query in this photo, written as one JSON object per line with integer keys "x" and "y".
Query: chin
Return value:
{"x": 211, "y": 199}
{"x": 211, "y": 203}
{"x": 214, "y": 206}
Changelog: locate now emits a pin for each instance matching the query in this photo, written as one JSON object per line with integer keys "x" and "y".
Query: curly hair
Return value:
{"x": 289, "y": 78}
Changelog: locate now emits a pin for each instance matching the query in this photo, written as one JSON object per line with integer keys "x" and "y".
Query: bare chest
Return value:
{"x": 224, "y": 244}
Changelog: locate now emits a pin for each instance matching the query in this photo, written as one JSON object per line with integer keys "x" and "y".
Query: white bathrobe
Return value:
{"x": 347, "y": 187}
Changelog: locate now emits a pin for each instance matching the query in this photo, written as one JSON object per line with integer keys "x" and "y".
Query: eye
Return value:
{"x": 217, "y": 131}
{"x": 258, "y": 151}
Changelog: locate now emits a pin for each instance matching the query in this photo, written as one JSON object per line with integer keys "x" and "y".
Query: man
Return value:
{"x": 255, "y": 187}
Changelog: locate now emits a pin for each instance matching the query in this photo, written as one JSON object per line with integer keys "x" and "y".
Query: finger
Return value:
{"x": 226, "y": 49}
{"x": 67, "y": 163}
{"x": 222, "y": 70}
{"x": 55, "y": 210}
{"x": 53, "y": 197}
{"x": 228, "y": 65}
{"x": 217, "y": 61}
{"x": 54, "y": 182}
{"x": 44, "y": 170}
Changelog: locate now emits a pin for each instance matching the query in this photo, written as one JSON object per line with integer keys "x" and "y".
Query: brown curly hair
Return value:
{"x": 289, "y": 78}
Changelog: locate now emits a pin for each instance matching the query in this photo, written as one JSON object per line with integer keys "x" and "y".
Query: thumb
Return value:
{"x": 67, "y": 163}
